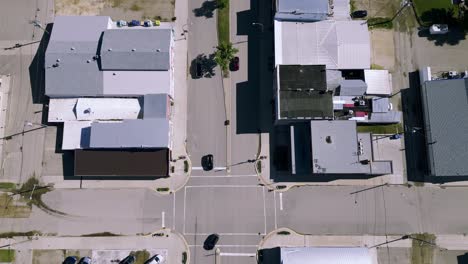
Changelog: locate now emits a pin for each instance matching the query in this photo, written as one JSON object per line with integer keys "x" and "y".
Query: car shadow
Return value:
{"x": 207, "y": 9}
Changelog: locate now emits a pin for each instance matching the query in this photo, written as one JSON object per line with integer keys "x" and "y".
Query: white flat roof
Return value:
{"x": 137, "y": 82}
{"x": 378, "y": 82}
{"x": 76, "y": 134}
{"x": 328, "y": 255}
{"x": 80, "y": 109}
{"x": 61, "y": 110}
{"x": 337, "y": 44}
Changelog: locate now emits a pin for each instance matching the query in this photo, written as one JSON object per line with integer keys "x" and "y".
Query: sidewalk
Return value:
{"x": 4, "y": 93}
{"x": 171, "y": 241}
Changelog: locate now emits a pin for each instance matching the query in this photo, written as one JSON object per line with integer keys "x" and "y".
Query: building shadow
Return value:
{"x": 442, "y": 16}
{"x": 462, "y": 259}
{"x": 37, "y": 71}
{"x": 254, "y": 108}
{"x": 207, "y": 9}
{"x": 415, "y": 140}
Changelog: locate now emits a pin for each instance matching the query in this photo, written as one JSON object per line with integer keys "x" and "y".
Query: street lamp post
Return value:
{"x": 258, "y": 24}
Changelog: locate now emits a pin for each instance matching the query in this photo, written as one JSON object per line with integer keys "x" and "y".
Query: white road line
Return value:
{"x": 215, "y": 168}
{"x": 185, "y": 196}
{"x": 264, "y": 210}
{"x": 274, "y": 199}
{"x": 281, "y": 201}
{"x": 223, "y": 176}
{"x": 163, "y": 215}
{"x": 237, "y": 254}
{"x": 227, "y": 246}
{"x": 225, "y": 234}
{"x": 225, "y": 186}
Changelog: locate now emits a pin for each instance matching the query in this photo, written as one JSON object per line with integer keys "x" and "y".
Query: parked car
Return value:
{"x": 210, "y": 241}
{"x": 147, "y": 23}
{"x": 70, "y": 260}
{"x": 359, "y": 14}
{"x": 234, "y": 64}
{"x": 207, "y": 162}
{"x": 156, "y": 259}
{"x": 121, "y": 23}
{"x": 128, "y": 260}
{"x": 439, "y": 29}
{"x": 134, "y": 23}
{"x": 395, "y": 136}
{"x": 85, "y": 260}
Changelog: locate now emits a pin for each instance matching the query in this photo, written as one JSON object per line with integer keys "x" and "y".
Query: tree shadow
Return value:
{"x": 207, "y": 64}
{"x": 36, "y": 69}
{"x": 442, "y": 16}
{"x": 207, "y": 9}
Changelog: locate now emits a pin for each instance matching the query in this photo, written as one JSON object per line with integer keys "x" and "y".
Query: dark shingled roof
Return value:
{"x": 310, "y": 77}
{"x": 305, "y": 104}
{"x": 136, "y": 163}
{"x": 445, "y": 105}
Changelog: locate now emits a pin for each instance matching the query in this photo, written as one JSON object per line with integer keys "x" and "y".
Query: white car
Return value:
{"x": 438, "y": 29}
{"x": 156, "y": 259}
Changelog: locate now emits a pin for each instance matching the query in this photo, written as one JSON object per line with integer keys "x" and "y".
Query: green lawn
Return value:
{"x": 223, "y": 24}
{"x": 7, "y": 186}
{"x": 7, "y": 255}
{"x": 381, "y": 129}
{"x": 426, "y": 5}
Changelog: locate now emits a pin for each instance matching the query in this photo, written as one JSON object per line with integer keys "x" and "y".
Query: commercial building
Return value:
{"x": 113, "y": 89}
{"x": 445, "y": 111}
{"x": 300, "y": 10}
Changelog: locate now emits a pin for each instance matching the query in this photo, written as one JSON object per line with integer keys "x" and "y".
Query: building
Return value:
{"x": 112, "y": 88}
{"x": 335, "y": 44}
{"x": 445, "y": 111}
{"x": 329, "y": 255}
{"x": 332, "y": 148}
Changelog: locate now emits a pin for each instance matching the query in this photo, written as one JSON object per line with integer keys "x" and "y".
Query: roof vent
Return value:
{"x": 158, "y": 50}
{"x": 55, "y": 65}
{"x": 133, "y": 49}
{"x": 328, "y": 139}
{"x": 109, "y": 49}
{"x": 88, "y": 61}
{"x": 72, "y": 48}
{"x": 58, "y": 60}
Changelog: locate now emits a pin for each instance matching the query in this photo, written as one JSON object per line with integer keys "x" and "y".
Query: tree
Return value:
{"x": 221, "y": 3}
{"x": 223, "y": 55}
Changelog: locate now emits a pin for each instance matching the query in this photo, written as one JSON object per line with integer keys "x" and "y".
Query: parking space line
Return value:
{"x": 173, "y": 211}
{"x": 274, "y": 201}
{"x": 281, "y": 201}
{"x": 163, "y": 215}
{"x": 226, "y": 246}
{"x": 237, "y": 254}
{"x": 185, "y": 197}
{"x": 264, "y": 210}
{"x": 215, "y": 168}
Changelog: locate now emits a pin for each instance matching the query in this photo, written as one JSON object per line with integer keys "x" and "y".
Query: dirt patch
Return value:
{"x": 383, "y": 49}
{"x": 57, "y": 256}
{"x": 10, "y": 208}
{"x": 118, "y": 9}
{"x": 378, "y": 8}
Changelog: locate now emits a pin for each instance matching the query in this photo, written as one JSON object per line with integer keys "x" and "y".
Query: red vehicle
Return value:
{"x": 235, "y": 64}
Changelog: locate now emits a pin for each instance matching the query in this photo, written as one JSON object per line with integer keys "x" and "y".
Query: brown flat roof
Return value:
{"x": 122, "y": 162}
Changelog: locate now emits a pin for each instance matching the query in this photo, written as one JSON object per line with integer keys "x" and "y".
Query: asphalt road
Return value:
{"x": 206, "y": 107}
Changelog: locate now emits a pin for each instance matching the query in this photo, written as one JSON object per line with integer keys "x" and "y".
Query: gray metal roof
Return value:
{"x": 302, "y": 10}
{"x": 136, "y": 49}
{"x": 70, "y": 65}
{"x": 138, "y": 133}
{"x": 445, "y": 104}
{"x": 337, "y": 148}
{"x": 155, "y": 106}
{"x": 71, "y": 70}
{"x": 329, "y": 255}
{"x": 352, "y": 87}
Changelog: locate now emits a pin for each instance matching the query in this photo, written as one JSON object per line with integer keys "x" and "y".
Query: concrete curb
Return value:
{"x": 189, "y": 172}
{"x": 181, "y": 237}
